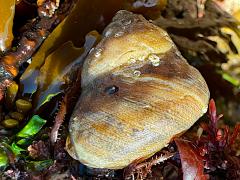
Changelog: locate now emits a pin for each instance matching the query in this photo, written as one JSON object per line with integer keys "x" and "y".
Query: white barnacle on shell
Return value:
{"x": 154, "y": 59}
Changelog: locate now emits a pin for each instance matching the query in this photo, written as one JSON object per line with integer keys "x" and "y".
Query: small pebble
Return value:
{"x": 23, "y": 106}
{"x": 16, "y": 115}
{"x": 10, "y": 123}
{"x": 11, "y": 94}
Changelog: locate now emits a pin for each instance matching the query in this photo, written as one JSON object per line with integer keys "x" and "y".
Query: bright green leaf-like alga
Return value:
{"x": 32, "y": 127}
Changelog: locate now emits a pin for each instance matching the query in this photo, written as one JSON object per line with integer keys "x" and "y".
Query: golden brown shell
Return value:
{"x": 137, "y": 93}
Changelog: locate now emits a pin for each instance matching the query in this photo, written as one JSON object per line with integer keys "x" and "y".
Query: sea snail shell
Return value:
{"x": 137, "y": 93}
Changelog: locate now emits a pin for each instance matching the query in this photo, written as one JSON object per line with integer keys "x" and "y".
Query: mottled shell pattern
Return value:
{"x": 138, "y": 92}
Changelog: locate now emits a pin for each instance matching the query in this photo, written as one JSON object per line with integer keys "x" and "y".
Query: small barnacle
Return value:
{"x": 137, "y": 73}
{"x": 118, "y": 34}
{"x": 98, "y": 52}
{"x": 132, "y": 60}
{"x": 154, "y": 59}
